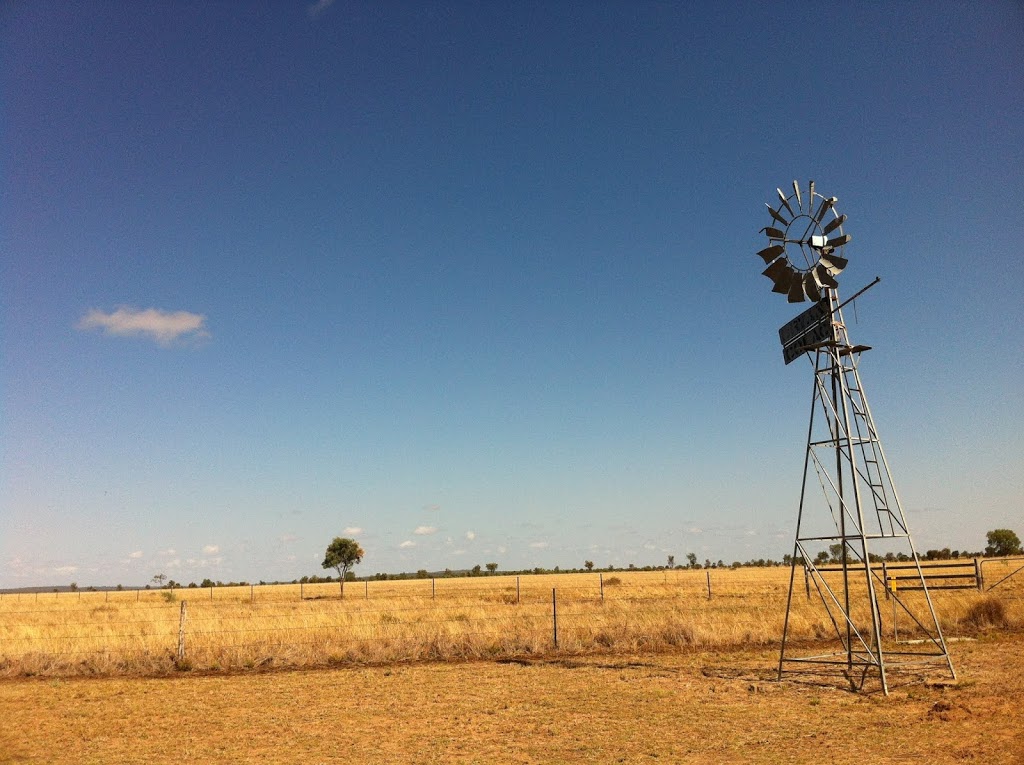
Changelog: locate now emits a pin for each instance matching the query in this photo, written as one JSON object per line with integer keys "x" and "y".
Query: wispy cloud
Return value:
{"x": 353, "y": 530}
{"x": 425, "y": 530}
{"x": 288, "y": 538}
{"x": 65, "y": 569}
{"x": 319, "y": 7}
{"x": 470, "y": 535}
{"x": 211, "y": 549}
{"x": 432, "y": 508}
{"x": 538, "y": 545}
{"x": 135, "y": 555}
{"x": 162, "y": 326}
{"x": 407, "y": 544}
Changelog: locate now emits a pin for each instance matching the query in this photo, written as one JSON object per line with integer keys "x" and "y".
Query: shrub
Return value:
{"x": 612, "y": 580}
{"x": 988, "y": 612}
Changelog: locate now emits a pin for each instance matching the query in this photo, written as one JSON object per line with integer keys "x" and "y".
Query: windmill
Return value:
{"x": 880, "y": 618}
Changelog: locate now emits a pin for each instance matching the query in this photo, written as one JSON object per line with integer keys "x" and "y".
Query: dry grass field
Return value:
{"x": 647, "y": 668}
{"x": 687, "y": 706}
{"x": 228, "y": 629}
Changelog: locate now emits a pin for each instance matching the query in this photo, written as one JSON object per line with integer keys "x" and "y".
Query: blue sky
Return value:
{"x": 477, "y": 282}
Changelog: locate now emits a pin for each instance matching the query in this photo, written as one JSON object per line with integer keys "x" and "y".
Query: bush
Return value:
{"x": 612, "y": 580}
{"x": 988, "y": 612}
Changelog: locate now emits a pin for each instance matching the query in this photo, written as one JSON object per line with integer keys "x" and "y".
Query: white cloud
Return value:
{"x": 287, "y": 538}
{"x": 470, "y": 535}
{"x": 319, "y": 7}
{"x": 432, "y": 507}
{"x": 502, "y": 550}
{"x": 538, "y": 545}
{"x": 135, "y": 555}
{"x": 159, "y": 325}
{"x": 695, "y": 530}
{"x": 407, "y": 544}
{"x": 211, "y": 549}
{"x": 353, "y": 530}
{"x": 170, "y": 551}
{"x": 65, "y": 569}
{"x": 425, "y": 530}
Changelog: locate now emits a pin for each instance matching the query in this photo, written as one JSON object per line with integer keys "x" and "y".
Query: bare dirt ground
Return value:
{"x": 691, "y": 707}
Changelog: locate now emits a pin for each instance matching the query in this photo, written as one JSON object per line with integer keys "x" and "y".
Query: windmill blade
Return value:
{"x": 785, "y": 202}
{"x": 811, "y": 286}
{"x": 796, "y": 191}
{"x": 775, "y": 215}
{"x": 834, "y": 263}
{"x": 839, "y": 241}
{"x": 796, "y": 289}
{"x": 774, "y": 233}
{"x": 810, "y": 196}
{"x": 834, "y": 224}
{"x": 823, "y": 276}
{"x": 826, "y": 205}
{"x": 768, "y": 254}
{"x": 781, "y": 273}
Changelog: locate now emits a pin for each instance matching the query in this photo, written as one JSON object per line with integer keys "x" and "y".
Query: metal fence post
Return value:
{"x": 181, "y": 631}
{"x": 554, "y": 616}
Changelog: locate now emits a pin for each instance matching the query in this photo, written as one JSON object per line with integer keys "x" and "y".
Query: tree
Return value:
{"x": 671, "y": 561}
{"x": 342, "y": 554}
{"x": 692, "y": 558}
{"x": 1001, "y": 543}
{"x": 588, "y": 565}
{"x": 159, "y": 579}
{"x": 492, "y": 567}
{"x": 476, "y": 570}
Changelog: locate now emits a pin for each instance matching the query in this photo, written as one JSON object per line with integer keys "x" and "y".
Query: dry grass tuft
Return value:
{"x": 988, "y": 612}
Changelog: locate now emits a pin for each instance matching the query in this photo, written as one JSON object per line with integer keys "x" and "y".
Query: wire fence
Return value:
{"x": 383, "y": 622}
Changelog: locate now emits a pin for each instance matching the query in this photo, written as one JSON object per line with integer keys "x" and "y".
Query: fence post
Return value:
{"x": 181, "y": 632}
{"x": 807, "y": 581}
{"x": 433, "y": 589}
{"x": 708, "y": 572}
{"x": 600, "y": 579}
{"x": 252, "y": 593}
{"x": 885, "y": 578}
{"x": 977, "y": 575}
{"x": 366, "y": 589}
{"x": 211, "y": 592}
{"x": 554, "y": 616}
{"x": 517, "y": 590}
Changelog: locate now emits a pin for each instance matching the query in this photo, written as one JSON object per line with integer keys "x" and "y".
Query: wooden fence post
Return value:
{"x": 708, "y": 572}
{"x": 181, "y": 631}
{"x": 554, "y": 616}
{"x": 366, "y": 589}
{"x": 433, "y": 589}
{"x": 977, "y": 575}
{"x": 600, "y": 581}
{"x": 517, "y": 590}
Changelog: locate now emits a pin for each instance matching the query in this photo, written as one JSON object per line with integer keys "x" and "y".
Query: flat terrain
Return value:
{"x": 692, "y": 706}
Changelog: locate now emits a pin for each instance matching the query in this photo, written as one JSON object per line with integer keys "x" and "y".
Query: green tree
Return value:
{"x": 342, "y": 554}
{"x": 1002, "y": 542}
{"x": 476, "y": 570}
{"x": 588, "y": 565}
{"x": 671, "y": 561}
{"x": 692, "y": 558}
{"x": 159, "y": 579}
{"x": 492, "y": 567}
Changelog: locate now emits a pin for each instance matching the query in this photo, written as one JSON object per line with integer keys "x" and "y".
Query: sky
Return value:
{"x": 476, "y": 282}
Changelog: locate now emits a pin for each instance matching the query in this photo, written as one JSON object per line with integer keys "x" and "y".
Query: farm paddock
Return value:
{"x": 678, "y": 707}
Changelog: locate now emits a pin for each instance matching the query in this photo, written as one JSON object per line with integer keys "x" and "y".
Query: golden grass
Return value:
{"x": 413, "y": 620}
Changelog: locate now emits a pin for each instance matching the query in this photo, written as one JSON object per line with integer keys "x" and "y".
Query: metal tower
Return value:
{"x": 860, "y": 511}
